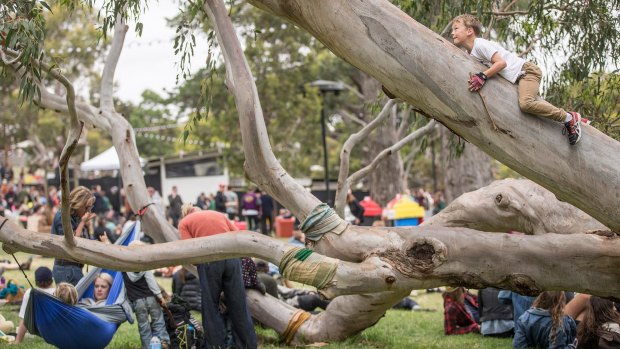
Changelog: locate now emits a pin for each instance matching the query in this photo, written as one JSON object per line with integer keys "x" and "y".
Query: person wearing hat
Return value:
{"x": 43, "y": 281}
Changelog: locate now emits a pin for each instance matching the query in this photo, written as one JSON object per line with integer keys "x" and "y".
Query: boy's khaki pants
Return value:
{"x": 529, "y": 101}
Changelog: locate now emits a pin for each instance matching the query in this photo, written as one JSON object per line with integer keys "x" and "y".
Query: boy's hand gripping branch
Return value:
{"x": 476, "y": 81}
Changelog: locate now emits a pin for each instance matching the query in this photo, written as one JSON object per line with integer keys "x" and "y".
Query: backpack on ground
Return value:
{"x": 184, "y": 330}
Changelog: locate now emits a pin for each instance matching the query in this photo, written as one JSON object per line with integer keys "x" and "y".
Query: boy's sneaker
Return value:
{"x": 573, "y": 128}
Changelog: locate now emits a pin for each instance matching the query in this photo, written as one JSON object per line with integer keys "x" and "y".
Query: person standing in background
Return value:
{"x": 175, "y": 202}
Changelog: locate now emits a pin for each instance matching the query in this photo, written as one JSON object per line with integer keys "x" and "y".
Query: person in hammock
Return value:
{"x": 103, "y": 283}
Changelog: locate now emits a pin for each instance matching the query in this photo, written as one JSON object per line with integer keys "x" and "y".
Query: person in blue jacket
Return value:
{"x": 544, "y": 325}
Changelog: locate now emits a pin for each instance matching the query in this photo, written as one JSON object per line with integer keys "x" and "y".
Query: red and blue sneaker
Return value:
{"x": 573, "y": 127}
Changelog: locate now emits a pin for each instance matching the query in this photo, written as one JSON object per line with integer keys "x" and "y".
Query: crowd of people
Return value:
{"x": 255, "y": 208}
{"x": 553, "y": 319}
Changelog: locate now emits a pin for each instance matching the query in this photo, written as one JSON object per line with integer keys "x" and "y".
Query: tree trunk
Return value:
{"x": 387, "y": 261}
{"x": 430, "y": 73}
{"x": 388, "y": 180}
{"x": 468, "y": 172}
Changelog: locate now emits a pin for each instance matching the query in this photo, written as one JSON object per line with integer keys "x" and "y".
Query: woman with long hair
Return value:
{"x": 544, "y": 325}
{"x": 456, "y": 318}
{"x": 600, "y": 327}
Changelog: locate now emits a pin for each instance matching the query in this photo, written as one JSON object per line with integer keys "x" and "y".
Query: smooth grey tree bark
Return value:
{"x": 470, "y": 171}
{"x": 430, "y": 73}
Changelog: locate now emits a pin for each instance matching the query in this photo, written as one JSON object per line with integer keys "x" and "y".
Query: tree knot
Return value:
{"x": 418, "y": 257}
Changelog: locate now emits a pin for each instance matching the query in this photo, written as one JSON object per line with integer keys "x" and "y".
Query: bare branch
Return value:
{"x": 352, "y": 117}
{"x": 75, "y": 131}
{"x": 404, "y": 123}
{"x": 529, "y": 47}
{"x": 353, "y": 90}
{"x": 445, "y": 33}
{"x": 509, "y": 5}
{"x": 391, "y": 150}
{"x": 123, "y": 138}
{"x": 351, "y": 142}
{"x": 107, "y": 79}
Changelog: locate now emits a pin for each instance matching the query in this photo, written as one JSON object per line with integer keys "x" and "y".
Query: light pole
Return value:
{"x": 326, "y": 86}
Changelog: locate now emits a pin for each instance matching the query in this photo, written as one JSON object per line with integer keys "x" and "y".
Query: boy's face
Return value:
{"x": 460, "y": 33}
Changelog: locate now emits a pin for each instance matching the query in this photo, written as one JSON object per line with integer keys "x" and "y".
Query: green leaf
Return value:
{"x": 44, "y": 4}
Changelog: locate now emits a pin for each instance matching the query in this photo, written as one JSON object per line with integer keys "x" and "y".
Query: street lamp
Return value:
{"x": 326, "y": 86}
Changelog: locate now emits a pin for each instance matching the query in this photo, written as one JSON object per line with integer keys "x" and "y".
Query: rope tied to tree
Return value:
{"x": 322, "y": 220}
{"x": 293, "y": 325}
{"x": 303, "y": 265}
{"x": 20, "y": 266}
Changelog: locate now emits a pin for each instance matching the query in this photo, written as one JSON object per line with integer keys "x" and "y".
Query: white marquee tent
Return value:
{"x": 106, "y": 161}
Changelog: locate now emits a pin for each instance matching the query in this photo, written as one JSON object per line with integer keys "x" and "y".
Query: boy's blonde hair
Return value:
{"x": 469, "y": 21}
{"x": 67, "y": 293}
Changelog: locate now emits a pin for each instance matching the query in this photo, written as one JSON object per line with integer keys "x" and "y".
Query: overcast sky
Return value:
{"x": 148, "y": 62}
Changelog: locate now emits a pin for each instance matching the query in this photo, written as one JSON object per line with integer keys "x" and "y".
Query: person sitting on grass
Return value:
{"x": 600, "y": 327}
{"x": 544, "y": 325}
{"x": 457, "y": 320}
{"x": 43, "y": 281}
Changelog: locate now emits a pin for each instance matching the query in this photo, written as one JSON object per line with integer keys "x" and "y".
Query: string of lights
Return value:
{"x": 168, "y": 139}
{"x": 133, "y": 44}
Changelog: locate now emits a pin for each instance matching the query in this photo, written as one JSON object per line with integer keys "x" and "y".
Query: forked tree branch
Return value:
{"x": 345, "y": 153}
{"x": 355, "y": 177}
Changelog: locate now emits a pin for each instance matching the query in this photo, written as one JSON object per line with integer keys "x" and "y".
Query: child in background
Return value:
{"x": 146, "y": 301}
{"x": 465, "y": 31}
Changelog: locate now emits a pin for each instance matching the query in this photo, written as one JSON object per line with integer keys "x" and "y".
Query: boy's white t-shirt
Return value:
{"x": 484, "y": 50}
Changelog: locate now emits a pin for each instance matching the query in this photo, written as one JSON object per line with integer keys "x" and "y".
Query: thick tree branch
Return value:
{"x": 261, "y": 166}
{"x": 431, "y": 74}
{"x": 345, "y": 153}
{"x": 107, "y": 78}
{"x": 417, "y": 257}
{"x": 515, "y": 205}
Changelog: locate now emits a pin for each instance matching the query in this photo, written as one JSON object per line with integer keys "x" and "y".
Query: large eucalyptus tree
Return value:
{"x": 366, "y": 270}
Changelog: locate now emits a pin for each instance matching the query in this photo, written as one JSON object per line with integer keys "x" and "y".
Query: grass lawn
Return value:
{"x": 398, "y": 329}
